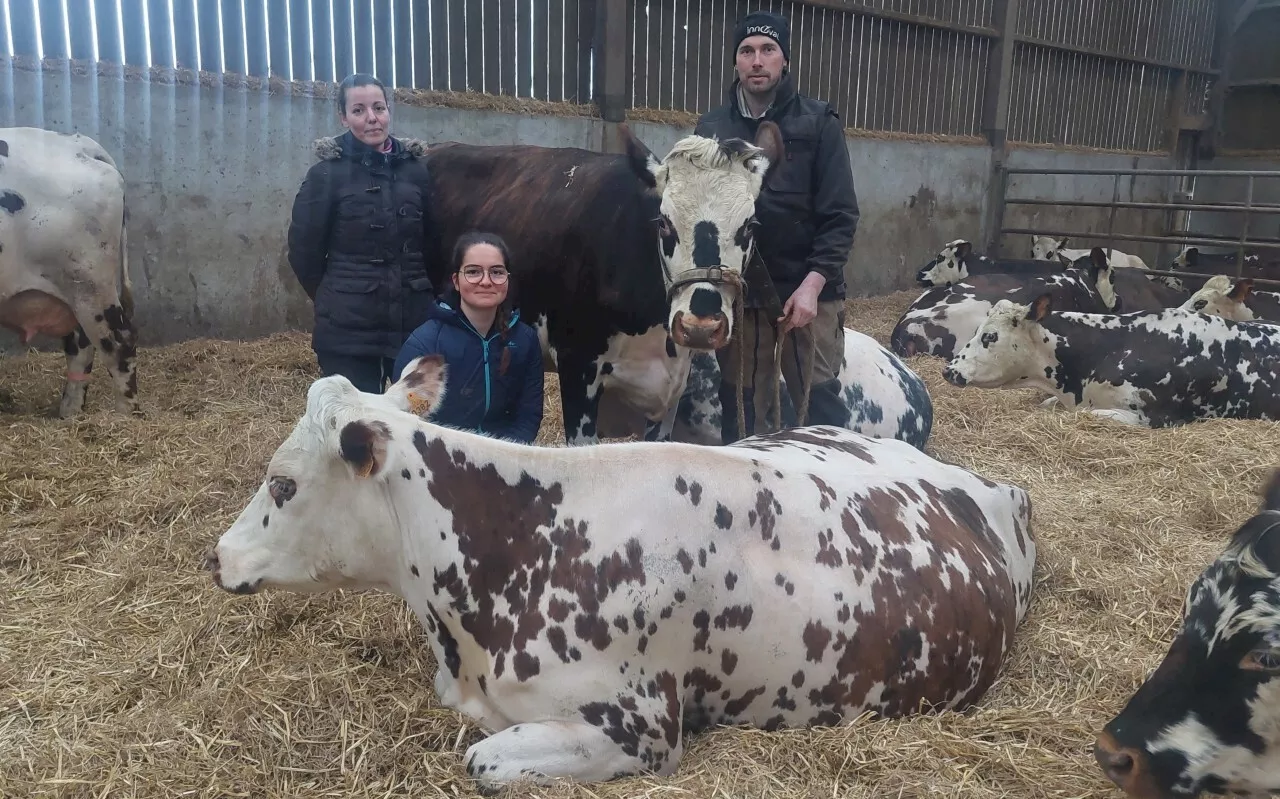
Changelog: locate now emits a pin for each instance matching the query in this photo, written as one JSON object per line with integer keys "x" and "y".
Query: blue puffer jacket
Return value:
{"x": 476, "y": 397}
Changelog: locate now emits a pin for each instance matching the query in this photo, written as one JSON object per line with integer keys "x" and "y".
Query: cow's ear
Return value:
{"x": 1040, "y": 308}
{"x": 1062, "y": 244}
{"x": 1241, "y": 289}
{"x": 641, "y": 158}
{"x": 363, "y": 445}
{"x": 1192, "y": 256}
{"x": 963, "y": 249}
{"x": 421, "y": 386}
{"x": 769, "y": 139}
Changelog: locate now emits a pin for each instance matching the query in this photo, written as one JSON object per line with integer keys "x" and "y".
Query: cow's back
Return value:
{"x": 836, "y": 546}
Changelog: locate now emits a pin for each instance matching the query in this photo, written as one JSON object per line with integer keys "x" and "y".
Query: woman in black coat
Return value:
{"x": 360, "y": 237}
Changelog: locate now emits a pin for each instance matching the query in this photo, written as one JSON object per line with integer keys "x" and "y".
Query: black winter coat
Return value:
{"x": 807, "y": 209}
{"x": 358, "y": 240}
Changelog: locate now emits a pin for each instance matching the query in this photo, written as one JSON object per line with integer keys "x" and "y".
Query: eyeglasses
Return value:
{"x": 475, "y": 274}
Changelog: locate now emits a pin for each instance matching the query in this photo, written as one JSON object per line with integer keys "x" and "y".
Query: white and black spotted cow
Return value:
{"x": 943, "y": 318}
{"x": 883, "y": 396}
{"x": 611, "y": 251}
{"x": 1047, "y": 248}
{"x": 1208, "y": 719}
{"x": 1152, "y": 368}
{"x": 591, "y": 606}
{"x": 957, "y": 262}
{"x": 1237, "y": 300}
{"x": 64, "y": 268}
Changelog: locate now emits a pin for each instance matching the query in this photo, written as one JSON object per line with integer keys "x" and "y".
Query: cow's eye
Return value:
{"x": 1200, "y": 304}
{"x": 1262, "y": 659}
{"x": 988, "y": 339}
{"x": 282, "y": 489}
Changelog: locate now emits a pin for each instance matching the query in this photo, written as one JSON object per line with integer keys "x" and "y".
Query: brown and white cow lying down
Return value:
{"x": 1208, "y": 719}
{"x": 589, "y": 606}
{"x": 62, "y": 251}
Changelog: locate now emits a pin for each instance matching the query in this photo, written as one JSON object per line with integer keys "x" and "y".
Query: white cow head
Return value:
{"x": 317, "y": 521}
{"x": 1009, "y": 349}
{"x": 1218, "y": 297}
{"x": 705, "y": 226}
{"x": 1045, "y": 248}
{"x": 949, "y": 267}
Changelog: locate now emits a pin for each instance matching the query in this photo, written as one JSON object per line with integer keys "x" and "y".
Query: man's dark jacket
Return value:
{"x": 359, "y": 231}
{"x": 807, "y": 209}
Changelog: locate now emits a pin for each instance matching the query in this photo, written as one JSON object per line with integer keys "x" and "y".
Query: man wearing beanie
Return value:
{"x": 808, "y": 213}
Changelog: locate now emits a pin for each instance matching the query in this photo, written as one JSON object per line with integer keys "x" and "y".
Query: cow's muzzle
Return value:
{"x": 700, "y": 332}
{"x": 1128, "y": 768}
{"x": 212, "y": 564}
{"x": 953, "y": 377}
{"x": 922, "y": 278}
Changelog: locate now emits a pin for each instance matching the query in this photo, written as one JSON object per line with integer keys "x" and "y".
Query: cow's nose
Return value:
{"x": 211, "y": 560}
{"x": 953, "y": 377}
{"x": 1122, "y": 765}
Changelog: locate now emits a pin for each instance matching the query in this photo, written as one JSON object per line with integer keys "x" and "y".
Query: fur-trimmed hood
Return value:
{"x": 330, "y": 148}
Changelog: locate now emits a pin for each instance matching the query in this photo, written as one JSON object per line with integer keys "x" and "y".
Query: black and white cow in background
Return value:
{"x": 590, "y": 607}
{"x": 1047, "y": 248}
{"x": 1150, "y": 368}
{"x": 64, "y": 268}
{"x": 943, "y": 318}
{"x": 603, "y": 255}
{"x": 884, "y": 397}
{"x": 957, "y": 262}
{"x": 1208, "y": 719}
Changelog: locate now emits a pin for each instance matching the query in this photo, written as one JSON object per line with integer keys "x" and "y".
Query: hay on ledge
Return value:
{"x": 124, "y": 672}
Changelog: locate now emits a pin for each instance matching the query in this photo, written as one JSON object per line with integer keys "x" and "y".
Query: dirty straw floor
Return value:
{"x": 123, "y": 672}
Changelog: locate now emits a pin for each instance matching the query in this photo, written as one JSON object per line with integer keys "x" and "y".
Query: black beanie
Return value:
{"x": 764, "y": 23}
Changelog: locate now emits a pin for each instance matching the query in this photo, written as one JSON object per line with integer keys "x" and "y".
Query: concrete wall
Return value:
{"x": 212, "y": 172}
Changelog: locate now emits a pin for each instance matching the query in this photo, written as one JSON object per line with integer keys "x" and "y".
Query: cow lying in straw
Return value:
{"x": 1152, "y": 368}
{"x": 591, "y": 605}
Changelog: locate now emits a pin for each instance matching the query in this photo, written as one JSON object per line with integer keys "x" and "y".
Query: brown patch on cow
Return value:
{"x": 736, "y": 707}
{"x": 730, "y": 579}
{"x": 724, "y": 518}
{"x": 512, "y": 547}
{"x": 825, "y": 492}
{"x": 766, "y": 512}
{"x": 4, "y": 149}
{"x": 414, "y": 570}
{"x": 728, "y": 661}
{"x": 964, "y": 623}
{"x": 815, "y": 637}
{"x": 828, "y": 555}
{"x": 686, "y": 562}
{"x": 525, "y": 666}
{"x": 559, "y": 642}
{"x": 682, "y": 486}
{"x": 797, "y": 679}
{"x": 695, "y": 493}
{"x": 452, "y": 660}
{"x": 701, "y": 623}
{"x": 738, "y": 616}
{"x": 558, "y": 609}
{"x": 803, "y": 436}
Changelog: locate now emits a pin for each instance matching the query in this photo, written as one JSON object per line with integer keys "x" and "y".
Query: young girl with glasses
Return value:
{"x": 493, "y": 378}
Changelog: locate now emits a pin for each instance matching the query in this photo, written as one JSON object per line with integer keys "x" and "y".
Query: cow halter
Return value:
{"x": 719, "y": 274}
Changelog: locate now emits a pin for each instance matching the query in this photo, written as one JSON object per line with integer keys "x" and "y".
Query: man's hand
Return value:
{"x": 802, "y": 305}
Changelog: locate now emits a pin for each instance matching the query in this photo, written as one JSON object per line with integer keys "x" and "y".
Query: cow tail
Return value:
{"x": 126, "y": 291}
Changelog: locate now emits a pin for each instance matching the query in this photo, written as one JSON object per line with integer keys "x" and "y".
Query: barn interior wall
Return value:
{"x": 1090, "y": 188}
{"x": 212, "y": 172}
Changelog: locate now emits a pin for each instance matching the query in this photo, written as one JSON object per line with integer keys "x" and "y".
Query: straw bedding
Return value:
{"x": 124, "y": 672}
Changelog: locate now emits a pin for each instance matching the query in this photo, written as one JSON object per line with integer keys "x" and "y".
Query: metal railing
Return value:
{"x": 1178, "y": 233}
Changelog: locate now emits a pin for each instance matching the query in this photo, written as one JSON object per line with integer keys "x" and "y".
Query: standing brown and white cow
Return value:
{"x": 62, "y": 250}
